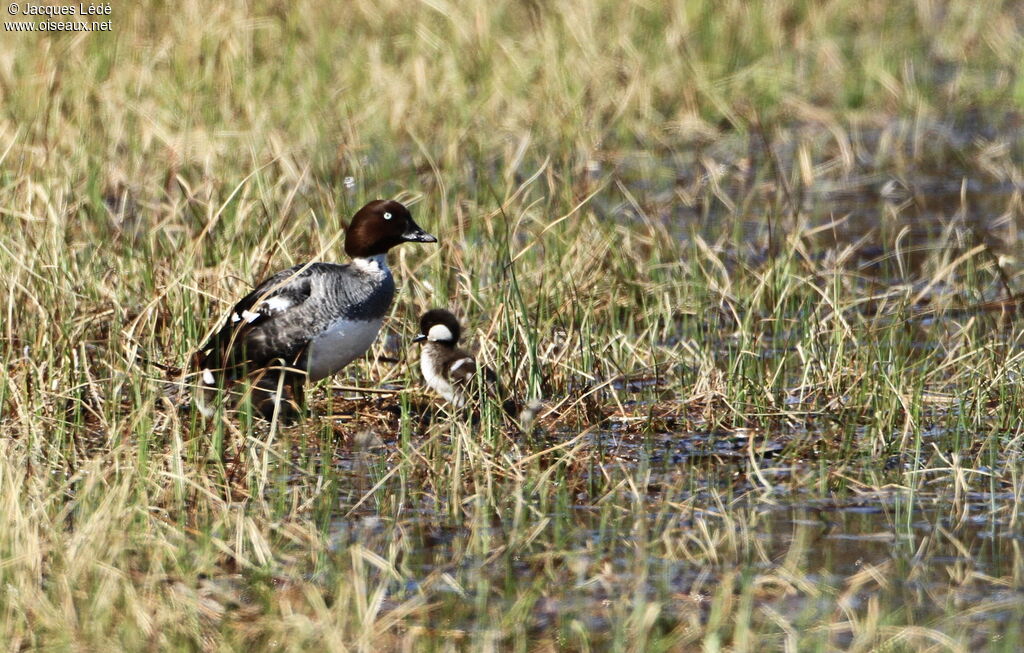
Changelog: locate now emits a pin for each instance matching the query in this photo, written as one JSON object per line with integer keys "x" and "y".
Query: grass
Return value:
{"x": 760, "y": 263}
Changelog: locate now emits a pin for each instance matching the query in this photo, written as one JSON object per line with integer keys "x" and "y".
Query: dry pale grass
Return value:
{"x": 759, "y": 261}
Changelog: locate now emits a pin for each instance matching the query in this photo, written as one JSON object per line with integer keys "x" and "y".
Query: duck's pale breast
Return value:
{"x": 341, "y": 343}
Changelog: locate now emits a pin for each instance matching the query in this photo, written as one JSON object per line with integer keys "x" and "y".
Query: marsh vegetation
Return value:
{"x": 761, "y": 261}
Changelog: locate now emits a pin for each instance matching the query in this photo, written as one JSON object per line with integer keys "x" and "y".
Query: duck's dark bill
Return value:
{"x": 419, "y": 338}
{"x": 416, "y": 235}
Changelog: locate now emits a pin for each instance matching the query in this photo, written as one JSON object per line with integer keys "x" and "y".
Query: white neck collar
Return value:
{"x": 372, "y": 264}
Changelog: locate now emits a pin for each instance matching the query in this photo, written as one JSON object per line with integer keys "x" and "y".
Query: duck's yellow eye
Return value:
{"x": 387, "y": 216}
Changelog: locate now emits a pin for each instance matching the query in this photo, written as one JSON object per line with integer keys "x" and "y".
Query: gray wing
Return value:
{"x": 277, "y": 320}
{"x": 246, "y": 338}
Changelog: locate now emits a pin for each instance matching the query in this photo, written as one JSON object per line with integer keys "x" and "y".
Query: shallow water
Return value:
{"x": 937, "y": 559}
{"x": 907, "y": 554}
{"x": 650, "y": 510}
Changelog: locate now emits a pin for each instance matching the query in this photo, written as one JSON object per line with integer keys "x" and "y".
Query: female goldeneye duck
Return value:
{"x": 447, "y": 369}
{"x": 311, "y": 320}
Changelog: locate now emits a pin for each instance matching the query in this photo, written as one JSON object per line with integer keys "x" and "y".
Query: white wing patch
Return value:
{"x": 269, "y": 307}
{"x": 277, "y": 304}
{"x": 459, "y": 363}
{"x": 208, "y": 377}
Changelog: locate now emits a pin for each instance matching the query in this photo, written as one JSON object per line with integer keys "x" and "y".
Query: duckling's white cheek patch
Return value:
{"x": 249, "y": 316}
{"x": 208, "y": 377}
{"x": 439, "y": 333}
